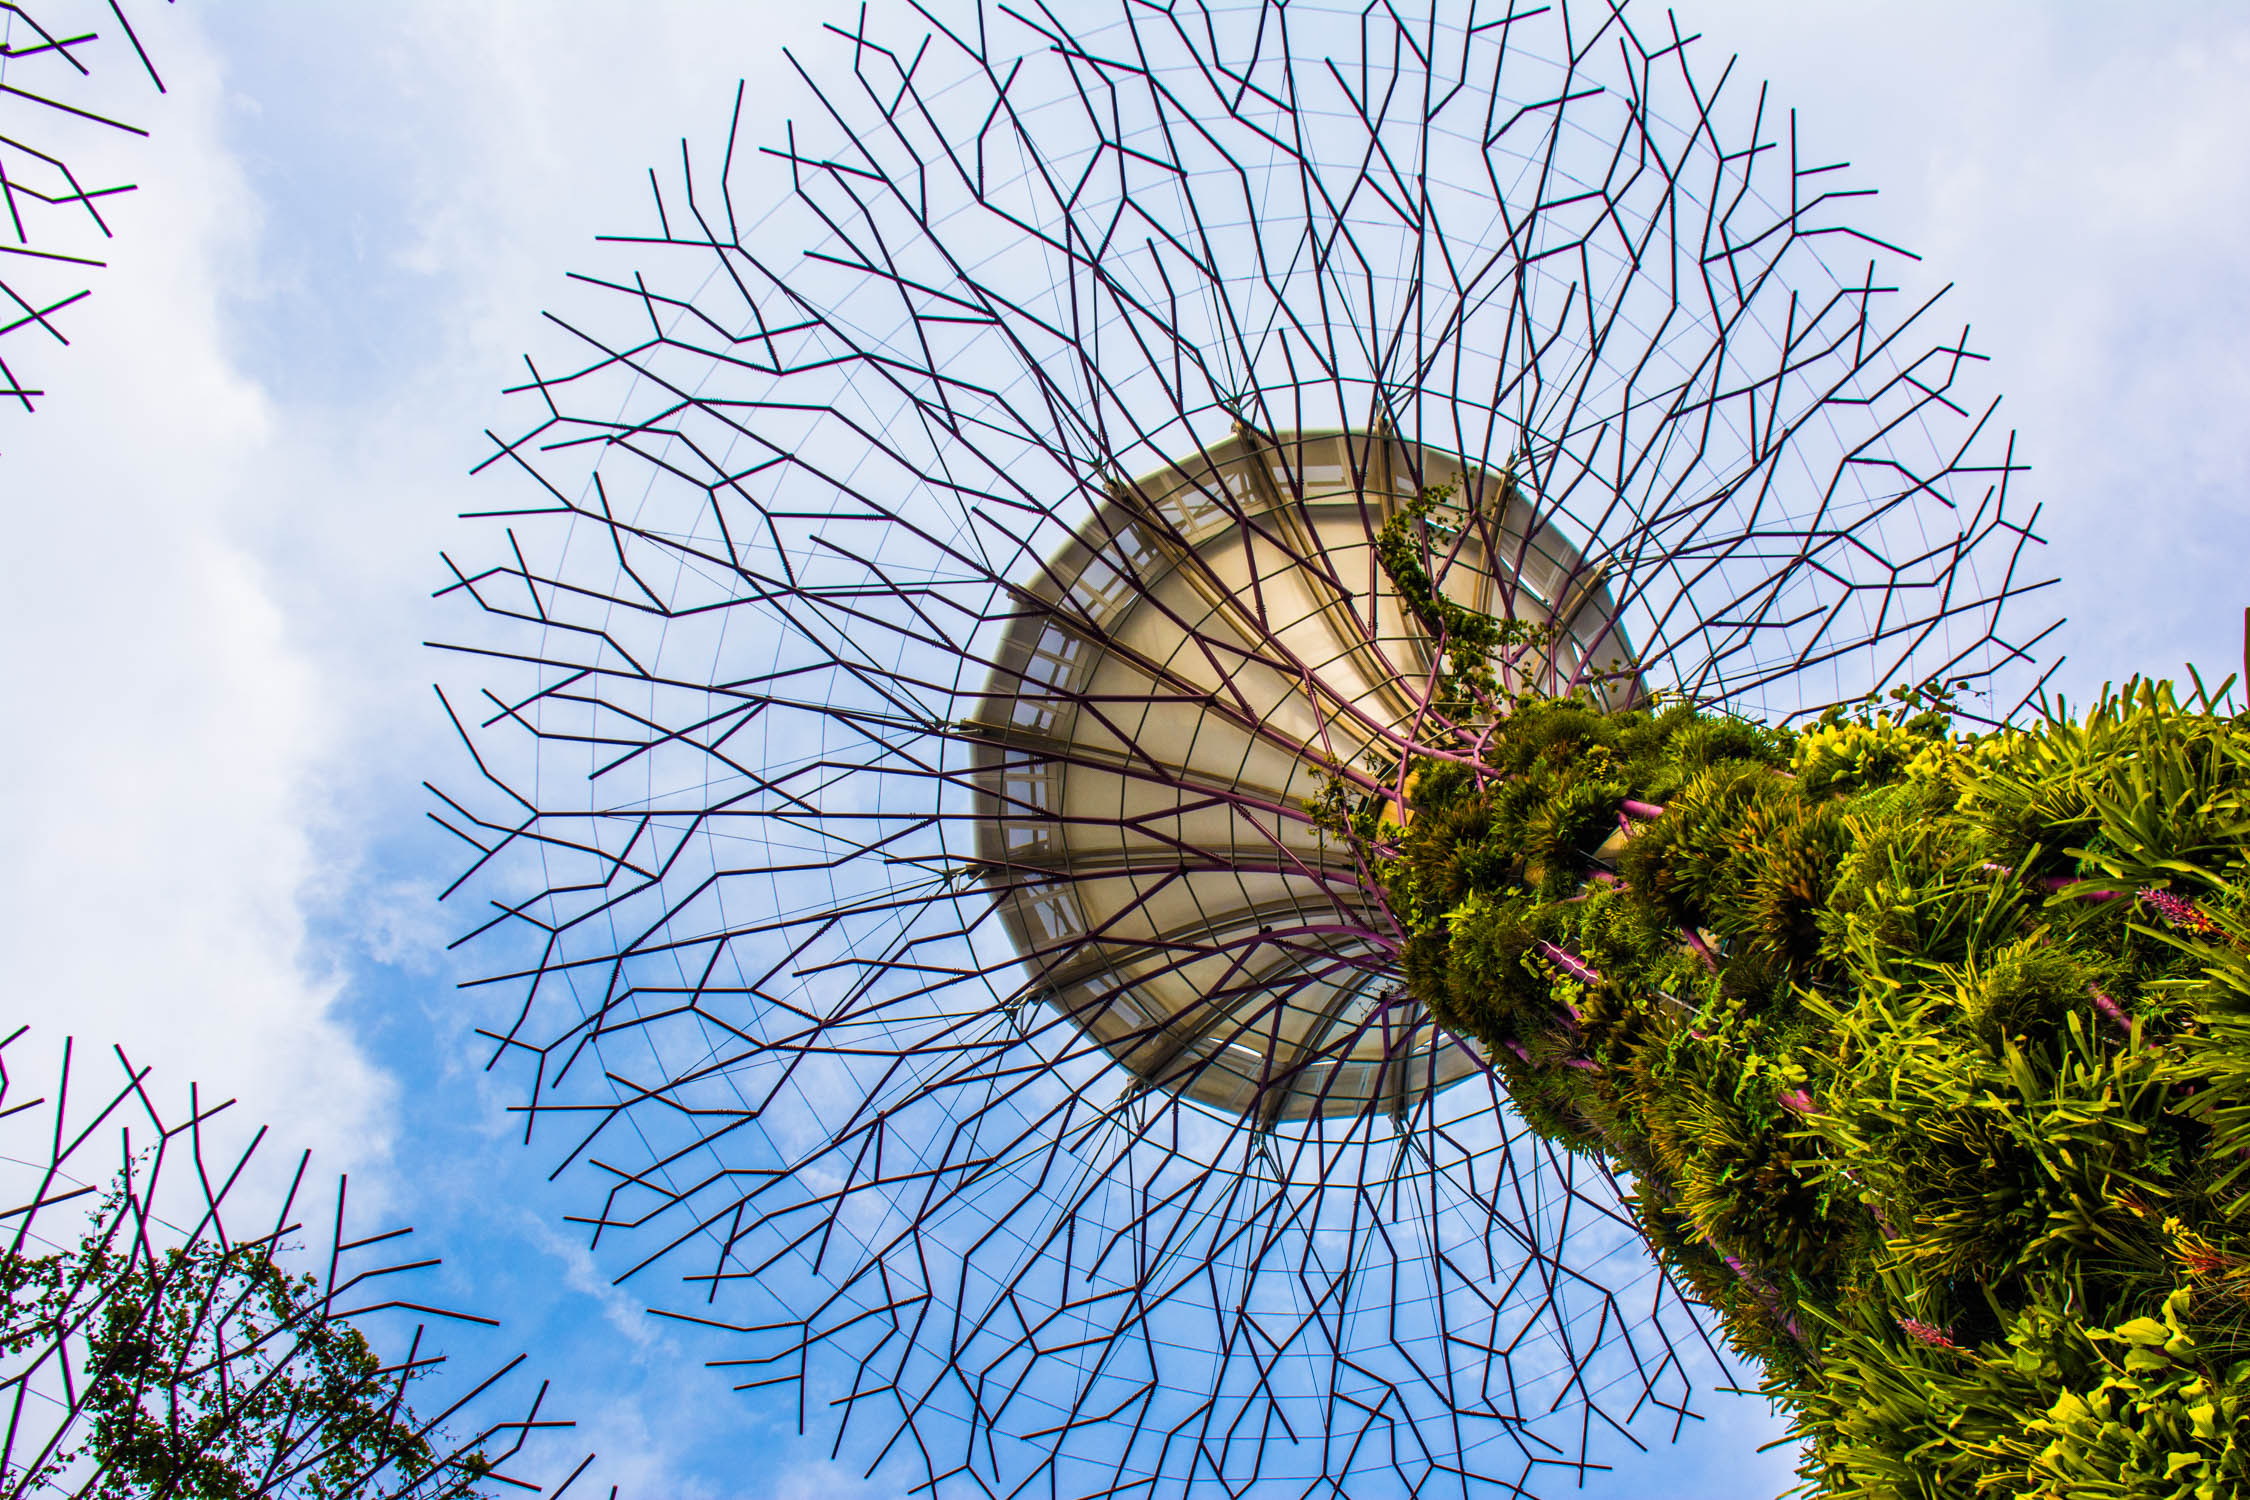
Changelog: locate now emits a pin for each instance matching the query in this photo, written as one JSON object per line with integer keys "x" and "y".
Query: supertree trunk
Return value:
{"x": 1926, "y": 1055}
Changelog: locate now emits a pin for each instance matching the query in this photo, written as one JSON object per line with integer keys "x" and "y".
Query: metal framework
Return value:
{"x": 128, "y": 1197}
{"x": 947, "y": 623}
{"x": 54, "y": 107}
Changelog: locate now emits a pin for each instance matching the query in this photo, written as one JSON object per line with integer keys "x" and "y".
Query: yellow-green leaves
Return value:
{"x": 2157, "y": 1424}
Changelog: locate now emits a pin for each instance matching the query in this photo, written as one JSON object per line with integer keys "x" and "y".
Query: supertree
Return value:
{"x": 173, "y": 1327}
{"x": 966, "y": 620}
{"x": 60, "y": 97}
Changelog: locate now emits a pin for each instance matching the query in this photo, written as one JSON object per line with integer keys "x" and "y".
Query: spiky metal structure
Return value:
{"x": 67, "y": 71}
{"x": 957, "y": 621}
{"x": 170, "y": 1322}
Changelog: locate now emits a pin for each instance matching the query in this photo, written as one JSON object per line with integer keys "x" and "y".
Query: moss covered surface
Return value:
{"x": 1928, "y": 1055}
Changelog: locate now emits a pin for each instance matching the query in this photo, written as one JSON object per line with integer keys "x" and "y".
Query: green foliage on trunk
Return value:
{"x": 204, "y": 1371}
{"x": 1929, "y": 1056}
{"x": 1410, "y": 543}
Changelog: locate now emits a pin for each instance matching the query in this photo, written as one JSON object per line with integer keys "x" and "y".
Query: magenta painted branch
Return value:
{"x": 2058, "y": 882}
{"x": 1641, "y": 810}
{"x": 1764, "y": 1290}
{"x": 2111, "y": 1009}
{"x": 1569, "y": 962}
{"x": 2050, "y": 882}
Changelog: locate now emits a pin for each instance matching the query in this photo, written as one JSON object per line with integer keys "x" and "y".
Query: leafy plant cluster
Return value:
{"x": 1928, "y": 1055}
{"x": 206, "y": 1370}
{"x": 1468, "y": 639}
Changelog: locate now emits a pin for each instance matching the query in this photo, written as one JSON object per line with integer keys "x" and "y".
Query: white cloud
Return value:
{"x": 225, "y": 519}
{"x": 622, "y": 1311}
{"x": 162, "y": 719}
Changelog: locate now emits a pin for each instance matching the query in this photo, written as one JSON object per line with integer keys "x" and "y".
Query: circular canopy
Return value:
{"x": 850, "y": 699}
{"x": 1183, "y": 685}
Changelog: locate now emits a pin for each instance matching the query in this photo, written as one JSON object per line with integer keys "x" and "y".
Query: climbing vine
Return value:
{"x": 1474, "y": 644}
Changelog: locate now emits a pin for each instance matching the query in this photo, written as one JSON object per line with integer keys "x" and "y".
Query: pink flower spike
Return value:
{"x": 2179, "y": 911}
{"x": 1797, "y": 1101}
{"x": 1927, "y": 1334}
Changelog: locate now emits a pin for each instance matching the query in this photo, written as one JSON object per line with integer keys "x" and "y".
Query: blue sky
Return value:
{"x": 227, "y": 517}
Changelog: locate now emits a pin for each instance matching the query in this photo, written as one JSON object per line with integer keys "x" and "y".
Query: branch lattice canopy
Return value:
{"x": 1188, "y": 676}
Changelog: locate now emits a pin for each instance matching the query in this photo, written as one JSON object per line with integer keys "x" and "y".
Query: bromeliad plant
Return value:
{"x": 1928, "y": 1056}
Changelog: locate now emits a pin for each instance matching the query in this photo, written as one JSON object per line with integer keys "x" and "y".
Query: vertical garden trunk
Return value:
{"x": 1928, "y": 1057}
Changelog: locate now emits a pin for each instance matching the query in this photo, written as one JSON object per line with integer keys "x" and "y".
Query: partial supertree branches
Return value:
{"x": 67, "y": 71}
{"x": 173, "y": 1328}
{"x": 960, "y": 621}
